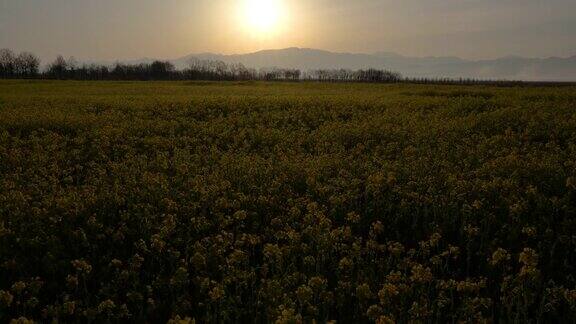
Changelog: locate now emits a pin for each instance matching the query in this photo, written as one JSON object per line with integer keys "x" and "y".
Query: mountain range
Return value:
{"x": 505, "y": 68}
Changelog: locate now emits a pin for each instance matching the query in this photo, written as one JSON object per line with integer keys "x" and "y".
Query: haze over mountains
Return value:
{"x": 506, "y": 68}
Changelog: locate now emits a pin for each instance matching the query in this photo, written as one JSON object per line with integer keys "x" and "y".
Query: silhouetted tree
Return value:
{"x": 28, "y": 65}
{"x": 59, "y": 68}
{"x": 7, "y": 63}
{"x": 161, "y": 70}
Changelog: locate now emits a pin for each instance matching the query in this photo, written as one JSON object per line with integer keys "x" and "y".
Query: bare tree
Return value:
{"x": 7, "y": 63}
{"x": 28, "y": 64}
{"x": 59, "y": 68}
{"x": 72, "y": 66}
{"x": 161, "y": 70}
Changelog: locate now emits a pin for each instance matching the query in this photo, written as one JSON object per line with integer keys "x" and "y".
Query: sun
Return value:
{"x": 262, "y": 16}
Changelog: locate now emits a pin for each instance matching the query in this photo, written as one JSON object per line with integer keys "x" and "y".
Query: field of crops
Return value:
{"x": 286, "y": 202}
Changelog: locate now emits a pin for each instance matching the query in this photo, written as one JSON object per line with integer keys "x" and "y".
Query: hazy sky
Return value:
{"x": 123, "y": 29}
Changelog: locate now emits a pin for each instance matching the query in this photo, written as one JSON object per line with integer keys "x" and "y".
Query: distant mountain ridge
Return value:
{"x": 505, "y": 68}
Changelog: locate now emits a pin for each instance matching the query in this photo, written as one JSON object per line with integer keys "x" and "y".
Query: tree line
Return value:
{"x": 27, "y": 65}
{"x": 23, "y": 65}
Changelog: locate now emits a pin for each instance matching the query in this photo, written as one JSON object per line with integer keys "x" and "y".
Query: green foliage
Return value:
{"x": 287, "y": 203}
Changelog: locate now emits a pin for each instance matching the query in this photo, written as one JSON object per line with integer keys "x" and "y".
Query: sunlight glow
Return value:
{"x": 263, "y": 16}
